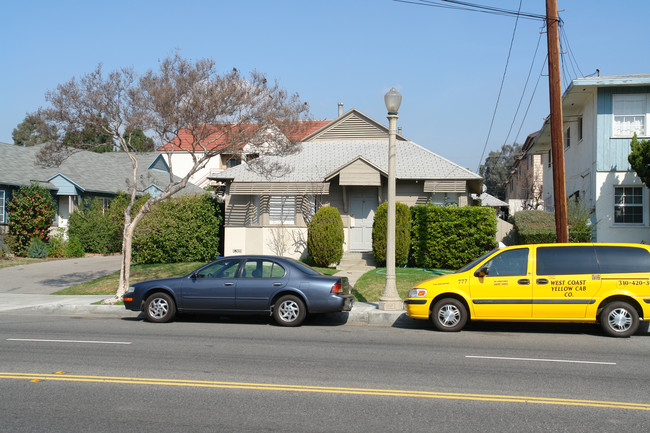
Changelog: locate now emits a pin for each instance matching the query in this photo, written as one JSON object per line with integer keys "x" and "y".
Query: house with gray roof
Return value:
{"x": 343, "y": 164}
{"x": 84, "y": 175}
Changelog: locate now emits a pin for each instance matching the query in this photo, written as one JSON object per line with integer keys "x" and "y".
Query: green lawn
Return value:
{"x": 371, "y": 284}
{"x": 368, "y": 289}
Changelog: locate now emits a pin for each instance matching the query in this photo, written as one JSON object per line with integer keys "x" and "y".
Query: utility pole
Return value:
{"x": 557, "y": 133}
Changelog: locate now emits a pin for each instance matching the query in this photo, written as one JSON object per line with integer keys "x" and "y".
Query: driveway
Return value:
{"x": 51, "y": 276}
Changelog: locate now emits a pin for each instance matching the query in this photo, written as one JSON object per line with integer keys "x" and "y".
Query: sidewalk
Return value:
{"x": 27, "y": 289}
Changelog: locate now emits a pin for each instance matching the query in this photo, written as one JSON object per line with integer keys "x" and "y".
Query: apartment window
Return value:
{"x": 550, "y": 157}
{"x": 579, "y": 128}
{"x": 2, "y": 206}
{"x": 628, "y": 204}
{"x": 567, "y": 138}
{"x": 630, "y": 113}
{"x": 282, "y": 209}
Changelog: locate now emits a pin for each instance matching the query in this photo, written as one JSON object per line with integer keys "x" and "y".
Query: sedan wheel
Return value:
{"x": 289, "y": 310}
{"x": 160, "y": 308}
{"x": 619, "y": 319}
{"x": 449, "y": 315}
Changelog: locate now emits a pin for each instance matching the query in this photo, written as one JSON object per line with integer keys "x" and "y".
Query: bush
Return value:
{"x": 74, "y": 248}
{"x": 449, "y": 237}
{"x": 402, "y": 234}
{"x": 538, "y": 227}
{"x": 100, "y": 230}
{"x": 31, "y": 211}
{"x": 37, "y": 249}
{"x": 325, "y": 237}
{"x": 56, "y": 248}
{"x": 184, "y": 229}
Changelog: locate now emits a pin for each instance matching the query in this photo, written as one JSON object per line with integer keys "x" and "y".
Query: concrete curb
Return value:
{"x": 362, "y": 313}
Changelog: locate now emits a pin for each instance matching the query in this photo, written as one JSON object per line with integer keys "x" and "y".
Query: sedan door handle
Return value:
{"x": 277, "y": 284}
{"x": 524, "y": 281}
{"x": 542, "y": 281}
{"x": 228, "y": 284}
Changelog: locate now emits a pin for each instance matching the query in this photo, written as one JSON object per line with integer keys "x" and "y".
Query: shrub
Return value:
{"x": 57, "y": 245}
{"x": 31, "y": 212}
{"x": 449, "y": 237}
{"x": 402, "y": 234}
{"x": 74, "y": 248}
{"x": 325, "y": 237}
{"x": 537, "y": 226}
{"x": 37, "y": 249}
{"x": 93, "y": 229}
{"x": 182, "y": 229}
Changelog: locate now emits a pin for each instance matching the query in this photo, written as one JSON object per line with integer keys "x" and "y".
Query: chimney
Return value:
{"x": 340, "y": 109}
{"x": 399, "y": 130}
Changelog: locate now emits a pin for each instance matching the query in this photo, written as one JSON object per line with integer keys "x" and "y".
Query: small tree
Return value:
{"x": 94, "y": 229}
{"x": 325, "y": 237}
{"x": 189, "y": 108}
{"x": 31, "y": 211}
{"x": 496, "y": 168}
{"x": 639, "y": 158}
{"x": 402, "y": 234}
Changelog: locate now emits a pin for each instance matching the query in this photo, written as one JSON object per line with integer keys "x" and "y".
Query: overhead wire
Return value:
{"x": 503, "y": 78}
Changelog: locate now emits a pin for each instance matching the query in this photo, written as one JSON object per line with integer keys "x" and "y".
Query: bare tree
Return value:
{"x": 187, "y": 107}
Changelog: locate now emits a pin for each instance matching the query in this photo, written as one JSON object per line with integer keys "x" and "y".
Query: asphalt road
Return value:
{"x": 244, "y": 374}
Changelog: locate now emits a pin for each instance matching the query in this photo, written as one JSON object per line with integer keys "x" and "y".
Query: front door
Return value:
{"x": 363, "y": 204}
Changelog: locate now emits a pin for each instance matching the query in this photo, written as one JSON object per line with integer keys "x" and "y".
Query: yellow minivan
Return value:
{"x": 606, "y": 283}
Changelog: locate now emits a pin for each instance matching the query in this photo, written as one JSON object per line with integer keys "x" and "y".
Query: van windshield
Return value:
{"x": 470, "y": 265}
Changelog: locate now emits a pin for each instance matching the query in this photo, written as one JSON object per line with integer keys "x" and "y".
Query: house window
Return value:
{"x": 282, "y": 209}
{"x": 2, "y": 207}
{"x": 629, "y": 115}
{"x": 628, "y": 204}
{"x": 579, "y": 128}
{"x": 567, "y": 138}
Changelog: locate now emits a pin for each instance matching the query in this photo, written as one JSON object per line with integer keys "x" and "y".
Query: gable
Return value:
{"x": 351, "y": 126}
{"x": 64, "y": 185}
{"x": 359, "y": 173}
{"x": 159, "y": 164}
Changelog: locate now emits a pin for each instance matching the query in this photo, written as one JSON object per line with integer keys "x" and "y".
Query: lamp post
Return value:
{"x": 390, "y": 299}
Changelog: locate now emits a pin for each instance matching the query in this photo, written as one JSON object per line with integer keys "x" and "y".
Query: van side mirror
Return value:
{"x": 482, "y": 272}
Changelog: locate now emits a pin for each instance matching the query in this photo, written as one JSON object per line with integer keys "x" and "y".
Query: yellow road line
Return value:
{"x": 324, "y": 389}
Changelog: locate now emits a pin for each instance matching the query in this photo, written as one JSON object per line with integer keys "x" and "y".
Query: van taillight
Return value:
{"x": 337, "y": 288}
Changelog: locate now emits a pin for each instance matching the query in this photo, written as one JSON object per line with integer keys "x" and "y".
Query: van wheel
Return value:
{"x": 619, "y": 319}
{"x": 449, "y": 315}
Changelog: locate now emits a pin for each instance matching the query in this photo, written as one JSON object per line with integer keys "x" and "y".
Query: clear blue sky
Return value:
{"x": 447, "y": 64}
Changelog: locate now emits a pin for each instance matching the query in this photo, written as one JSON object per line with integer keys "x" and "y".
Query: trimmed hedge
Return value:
{"x": 449, "y": 237}
{"x": 325, "y": 237}
{"x": 183, "y": 229}
{"x": 402, "y": 234}
{"x": 538, "y": 227}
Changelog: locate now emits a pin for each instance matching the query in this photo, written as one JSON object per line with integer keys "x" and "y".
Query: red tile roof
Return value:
{"x": 221, "y": 137}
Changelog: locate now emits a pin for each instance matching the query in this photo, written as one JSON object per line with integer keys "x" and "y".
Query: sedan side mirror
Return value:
{"x": 482, "y": 272}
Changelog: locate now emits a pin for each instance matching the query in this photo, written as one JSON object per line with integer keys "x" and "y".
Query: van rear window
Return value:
{"x": 619, "y": 260}
{"x": 566, "y": 260}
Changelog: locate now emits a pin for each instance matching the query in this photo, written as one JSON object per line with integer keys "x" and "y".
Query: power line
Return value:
{"x": 473, "y": 7}
{"x": 503, "y": 78}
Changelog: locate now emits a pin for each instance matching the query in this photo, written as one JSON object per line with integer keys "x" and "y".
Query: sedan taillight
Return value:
{"x": 337, "y": 288}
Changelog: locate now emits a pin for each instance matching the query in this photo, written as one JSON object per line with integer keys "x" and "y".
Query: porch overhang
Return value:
{"x": 279, "y": 188}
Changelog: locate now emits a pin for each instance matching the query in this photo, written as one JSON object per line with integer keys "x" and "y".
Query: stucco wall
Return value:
{"x": 606, "y": 229}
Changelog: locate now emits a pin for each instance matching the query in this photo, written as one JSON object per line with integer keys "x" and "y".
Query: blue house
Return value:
{"x": 601, "y": 115}
{"x": 84, "y": 175}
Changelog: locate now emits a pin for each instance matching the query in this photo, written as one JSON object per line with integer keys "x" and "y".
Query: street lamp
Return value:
{"x": 390, "y": 299}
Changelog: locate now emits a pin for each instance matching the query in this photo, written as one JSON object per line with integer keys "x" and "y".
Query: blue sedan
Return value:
{"x": 284, "y": 288}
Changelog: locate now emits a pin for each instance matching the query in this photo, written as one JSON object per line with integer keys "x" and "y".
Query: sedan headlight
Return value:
{"x": 417, "y": 293}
